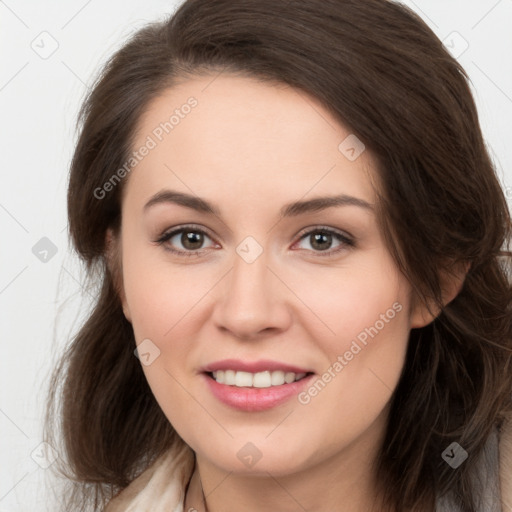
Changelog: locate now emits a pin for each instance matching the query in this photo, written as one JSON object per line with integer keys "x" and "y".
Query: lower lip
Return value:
{"x": 255, "y": 399}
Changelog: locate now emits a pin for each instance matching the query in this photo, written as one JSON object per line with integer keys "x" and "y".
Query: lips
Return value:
{"x": 254, "y": 396}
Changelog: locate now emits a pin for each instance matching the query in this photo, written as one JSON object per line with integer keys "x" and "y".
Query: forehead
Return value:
{"x": 222, "y": 133}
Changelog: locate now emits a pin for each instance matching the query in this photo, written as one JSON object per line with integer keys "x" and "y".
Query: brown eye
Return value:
{"x": 192, "y": 240}
{"x": 321, "y": 241}
{"x": 186, "y": 241}
{"x": 327, "y": 241}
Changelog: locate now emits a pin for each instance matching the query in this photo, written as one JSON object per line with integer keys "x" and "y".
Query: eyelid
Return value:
{"x": 318, "y": 227}
{"x": 183, "y": 227}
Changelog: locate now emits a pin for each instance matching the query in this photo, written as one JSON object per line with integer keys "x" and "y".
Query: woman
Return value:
{"x": 295, "y": 220}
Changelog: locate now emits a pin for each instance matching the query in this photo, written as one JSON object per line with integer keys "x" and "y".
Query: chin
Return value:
{"x": 258, "y": 458}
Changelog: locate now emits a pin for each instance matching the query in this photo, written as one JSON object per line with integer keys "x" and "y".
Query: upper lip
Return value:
{"x": 252, "y": 366}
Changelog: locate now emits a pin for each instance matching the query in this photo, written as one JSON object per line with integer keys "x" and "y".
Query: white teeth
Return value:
{"x": 243, "y": 379}
{"x": 277, "y": 378}
{"x": 289, "y": 377}
{"x": 264, "y": 379}
{"x": 229, "y": 377}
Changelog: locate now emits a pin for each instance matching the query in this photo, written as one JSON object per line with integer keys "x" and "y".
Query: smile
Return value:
{"x": 244, "y": 395}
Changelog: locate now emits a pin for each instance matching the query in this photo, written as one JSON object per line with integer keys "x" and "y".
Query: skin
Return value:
{"x": 250, "y": 148}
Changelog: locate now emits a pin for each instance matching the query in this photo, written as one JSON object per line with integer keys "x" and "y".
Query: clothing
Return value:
{"x": 161, "y": 488}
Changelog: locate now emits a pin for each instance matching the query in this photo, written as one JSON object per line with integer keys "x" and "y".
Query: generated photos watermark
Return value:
{"x": 157, "y": 135}
{"x": 356, "y": 346}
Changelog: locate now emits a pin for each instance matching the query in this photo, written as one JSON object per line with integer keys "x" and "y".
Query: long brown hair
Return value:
{"x": 378, "y": 68}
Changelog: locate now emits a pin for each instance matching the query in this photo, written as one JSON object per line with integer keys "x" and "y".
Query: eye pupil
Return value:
{"x": 192, "y": 240}
{"x": 318, "y": 238}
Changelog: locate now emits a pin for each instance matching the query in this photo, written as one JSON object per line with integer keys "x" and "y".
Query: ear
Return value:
{"x": 451, "y": 283}
{"x": 114, "y": 262}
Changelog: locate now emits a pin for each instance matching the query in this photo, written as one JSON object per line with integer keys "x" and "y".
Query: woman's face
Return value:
{"x": 250, "y": 245}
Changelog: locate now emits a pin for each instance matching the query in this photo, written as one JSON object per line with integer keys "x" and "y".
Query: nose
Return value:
{"x": 252, "y": 302}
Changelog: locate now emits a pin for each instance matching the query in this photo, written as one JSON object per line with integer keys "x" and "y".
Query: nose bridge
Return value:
{"x": 249, "y": 287}
{"x": 249, "y": 277}
{"x": 251, "y": 300}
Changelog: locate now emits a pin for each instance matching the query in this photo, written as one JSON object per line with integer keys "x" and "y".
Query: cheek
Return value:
{"x": 163, "y": 302}
{"x": 364, "y": 355}
{"x": 161, "y": 295}
{"x": 362, "y": 326}
{"x": 365, "y": 301}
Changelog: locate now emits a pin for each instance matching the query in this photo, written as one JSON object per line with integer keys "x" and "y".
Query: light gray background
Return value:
{"x": 41, "y": 302}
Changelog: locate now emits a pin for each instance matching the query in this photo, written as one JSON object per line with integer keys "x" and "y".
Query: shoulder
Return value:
{"x": 160, "y": 487}
{"x": 505, "y": 449}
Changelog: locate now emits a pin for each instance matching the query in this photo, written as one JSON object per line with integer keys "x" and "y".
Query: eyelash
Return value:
{"x": 346, "y": 240}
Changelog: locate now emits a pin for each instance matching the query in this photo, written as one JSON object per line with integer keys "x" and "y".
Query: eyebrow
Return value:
{"x": 289, "y": 210}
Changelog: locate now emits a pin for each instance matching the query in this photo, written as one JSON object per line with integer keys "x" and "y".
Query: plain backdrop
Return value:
{"x": 51, "y": 52}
